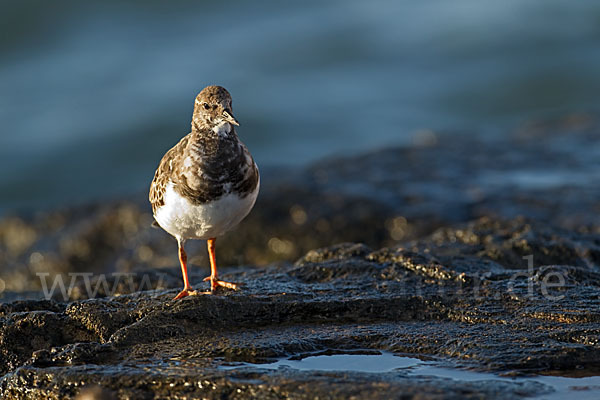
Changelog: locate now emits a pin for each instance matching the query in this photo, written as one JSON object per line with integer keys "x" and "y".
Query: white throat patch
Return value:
{"x": 222, "y": 129}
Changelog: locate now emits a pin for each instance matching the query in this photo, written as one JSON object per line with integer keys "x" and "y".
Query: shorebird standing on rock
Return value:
{"x": 206, "y": 184}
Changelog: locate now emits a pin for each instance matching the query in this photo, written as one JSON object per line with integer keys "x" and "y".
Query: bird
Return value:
{"x": 206, "y": 184}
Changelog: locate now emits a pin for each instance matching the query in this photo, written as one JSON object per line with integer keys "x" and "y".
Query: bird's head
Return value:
{"x": 213, "y": 108}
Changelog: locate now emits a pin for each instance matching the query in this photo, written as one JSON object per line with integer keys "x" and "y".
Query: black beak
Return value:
{"x": 230, "y": 118}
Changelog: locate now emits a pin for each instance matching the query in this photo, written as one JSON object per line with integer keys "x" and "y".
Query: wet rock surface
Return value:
{"x": 472, "y": 255}
{"x": 547, "y": 171}
{"x": 472, "y": 301}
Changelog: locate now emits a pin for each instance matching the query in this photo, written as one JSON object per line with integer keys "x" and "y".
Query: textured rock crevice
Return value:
{"x": 482, "y": 310}
{"x": 435, "y": 261}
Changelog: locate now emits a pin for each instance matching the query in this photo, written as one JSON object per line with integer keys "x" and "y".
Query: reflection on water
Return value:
{"x": 94, "y": 93}
{"x": 558, "y": 387}
{"x": 384, "y": 362}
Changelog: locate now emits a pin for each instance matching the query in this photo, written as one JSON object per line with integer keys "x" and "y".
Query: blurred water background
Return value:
{"x": 94, "y": 93}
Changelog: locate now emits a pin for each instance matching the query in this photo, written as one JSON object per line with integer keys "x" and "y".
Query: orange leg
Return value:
{"x": 187, "y": 288}
{"x": 214, "y": 276}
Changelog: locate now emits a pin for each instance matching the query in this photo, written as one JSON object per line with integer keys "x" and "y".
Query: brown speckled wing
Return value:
{"x": 164, "y": 173}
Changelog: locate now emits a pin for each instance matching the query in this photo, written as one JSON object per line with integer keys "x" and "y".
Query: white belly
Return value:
{"x": 185, "y": 220}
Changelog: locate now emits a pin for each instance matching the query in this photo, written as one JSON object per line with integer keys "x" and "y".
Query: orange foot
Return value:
{"x": 215, "y": 283}
{"x": 185, "y": 292}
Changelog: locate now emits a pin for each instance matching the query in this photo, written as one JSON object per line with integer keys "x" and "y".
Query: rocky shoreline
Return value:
{"x": 477, "y": 255}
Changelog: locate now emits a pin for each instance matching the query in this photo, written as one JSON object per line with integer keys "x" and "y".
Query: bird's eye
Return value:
{"x": 206, "y": 106}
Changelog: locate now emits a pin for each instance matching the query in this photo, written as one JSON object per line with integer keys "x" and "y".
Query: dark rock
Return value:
{"x": 420, "y": 251}
{"x": 463, "y": 295}
{"x": 545, "y": 171}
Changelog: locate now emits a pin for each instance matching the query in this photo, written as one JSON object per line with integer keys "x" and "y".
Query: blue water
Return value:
{"x": 93, "y": 93}
{"x": 584, "y": 388}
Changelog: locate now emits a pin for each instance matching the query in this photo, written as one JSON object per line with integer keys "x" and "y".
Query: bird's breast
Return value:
{"x": 185, "y": 219}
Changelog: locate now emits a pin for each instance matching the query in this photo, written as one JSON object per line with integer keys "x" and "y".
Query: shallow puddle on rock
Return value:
{"x": 385, "y": 362}
{"x": 585, "y": 388}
